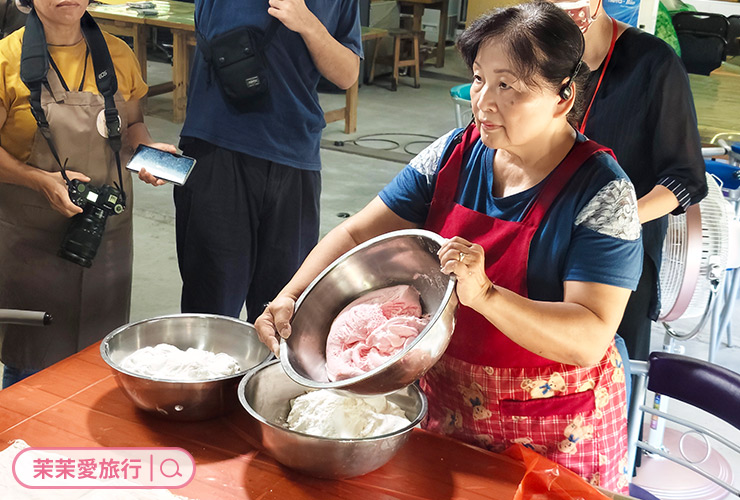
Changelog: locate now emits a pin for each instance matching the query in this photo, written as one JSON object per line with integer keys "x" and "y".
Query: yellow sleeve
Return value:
{"x": 130, "y": 83}
{"x": 3, "y": 85}
{"x": 16, "y": 134}
{"x": 10, "y": 58}
{"x": 4, "y": 61}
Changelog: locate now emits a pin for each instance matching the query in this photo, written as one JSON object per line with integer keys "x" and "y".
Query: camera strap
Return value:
{"x": 35, "y": 62}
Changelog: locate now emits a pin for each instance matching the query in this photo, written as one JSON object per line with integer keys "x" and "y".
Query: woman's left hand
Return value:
{"x": 146, "y": 176}
{"x": 467, "y": 261}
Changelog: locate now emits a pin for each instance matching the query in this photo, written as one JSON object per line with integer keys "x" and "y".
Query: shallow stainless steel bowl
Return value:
{"x": 407, "y": 257}
{"x": 197, "y": 400}
{"x": 266, "y": 391}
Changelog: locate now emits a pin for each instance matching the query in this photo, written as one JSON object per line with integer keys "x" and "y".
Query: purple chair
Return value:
{"x": 642, "y": 494}
{"x": 701, "y": 384}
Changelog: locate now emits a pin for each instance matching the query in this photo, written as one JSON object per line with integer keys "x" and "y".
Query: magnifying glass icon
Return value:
{"x": 177, "y": 468}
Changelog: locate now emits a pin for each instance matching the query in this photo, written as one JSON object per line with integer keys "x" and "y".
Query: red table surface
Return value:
{"x": 76, "y": 403}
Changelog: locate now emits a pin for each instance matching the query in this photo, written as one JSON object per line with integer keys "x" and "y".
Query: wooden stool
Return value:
{"x": 396, "y": 62}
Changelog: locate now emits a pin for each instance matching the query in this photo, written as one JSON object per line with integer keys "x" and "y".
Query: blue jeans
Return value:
{"x": 12, "y": 375}
{"x": 622, "y": 348}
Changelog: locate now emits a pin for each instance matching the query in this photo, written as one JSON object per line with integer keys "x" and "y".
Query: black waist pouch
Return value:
{"x": 237, "y": 59}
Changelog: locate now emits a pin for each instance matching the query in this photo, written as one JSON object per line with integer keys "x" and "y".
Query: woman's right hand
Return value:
{"x": 55, "y": 189}
{"x": 275, "y": 321}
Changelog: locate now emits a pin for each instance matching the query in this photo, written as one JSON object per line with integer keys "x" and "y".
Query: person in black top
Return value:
{"x": 640, "y": 105}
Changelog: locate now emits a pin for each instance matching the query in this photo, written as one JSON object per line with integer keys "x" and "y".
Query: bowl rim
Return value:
{"x": 116, "y": 367}
{"x": 253, "y": 413}
{"x": 348, "y": 382}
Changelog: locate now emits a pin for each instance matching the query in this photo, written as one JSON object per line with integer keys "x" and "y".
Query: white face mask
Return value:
{"x": 579, "y": 11}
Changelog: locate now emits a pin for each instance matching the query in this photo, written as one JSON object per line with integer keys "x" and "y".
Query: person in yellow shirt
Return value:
{"x": 40, "y": 167}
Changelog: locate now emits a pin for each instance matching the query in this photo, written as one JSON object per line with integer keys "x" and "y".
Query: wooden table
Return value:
{"x": 349, "y": 112}
{"x": 416, "y": 7}
{"x": 178, "y": 18}
{"x": 76, "y": 403}
{"x": 172, "y": 15}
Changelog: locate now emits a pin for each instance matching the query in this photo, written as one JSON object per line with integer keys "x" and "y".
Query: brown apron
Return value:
{"x": 86, "y": 303}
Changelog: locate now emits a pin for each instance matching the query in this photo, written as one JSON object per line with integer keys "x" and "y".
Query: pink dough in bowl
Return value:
{"x": 372, "y": 329}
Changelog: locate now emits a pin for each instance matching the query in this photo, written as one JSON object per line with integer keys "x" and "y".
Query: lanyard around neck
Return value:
{"x": 615, "y": 30}
{"x": 59, "y": 73}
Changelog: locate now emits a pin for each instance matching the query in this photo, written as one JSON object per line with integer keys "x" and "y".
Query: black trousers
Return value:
{"x": 244, "y": 226}
{"x": 636, "y": 323}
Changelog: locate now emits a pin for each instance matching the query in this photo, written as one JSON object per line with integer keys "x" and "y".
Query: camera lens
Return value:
{"x": 81, "y": 242}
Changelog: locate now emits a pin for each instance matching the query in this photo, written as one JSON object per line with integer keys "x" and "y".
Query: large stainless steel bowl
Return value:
{"x": 266, "y": 391}
{"x": 196, "y": 400}
{"x": 407, "y": 257}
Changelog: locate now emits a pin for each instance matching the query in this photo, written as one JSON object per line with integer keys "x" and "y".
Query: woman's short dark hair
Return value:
{"x": 542, "y": 42}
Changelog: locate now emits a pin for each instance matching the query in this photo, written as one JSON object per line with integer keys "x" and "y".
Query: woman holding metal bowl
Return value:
{"x": 544, "y": 240}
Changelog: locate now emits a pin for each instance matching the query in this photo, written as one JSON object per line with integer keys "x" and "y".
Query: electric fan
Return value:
{"x": 695, "y": 253}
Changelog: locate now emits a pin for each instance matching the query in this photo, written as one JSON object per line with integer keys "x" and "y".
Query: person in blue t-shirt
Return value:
{"x": 249, "y": 212}
{"x": 544, "y": 238}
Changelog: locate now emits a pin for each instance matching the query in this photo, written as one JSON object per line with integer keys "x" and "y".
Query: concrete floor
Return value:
{"x": 410, "y": 117}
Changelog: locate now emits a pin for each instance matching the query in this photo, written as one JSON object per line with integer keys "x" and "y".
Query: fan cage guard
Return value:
{"x": 691, "y": 240}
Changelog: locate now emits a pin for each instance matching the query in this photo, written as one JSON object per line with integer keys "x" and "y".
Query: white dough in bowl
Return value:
{"x": 325, "y": 413}
{"x": 165, "y": 361}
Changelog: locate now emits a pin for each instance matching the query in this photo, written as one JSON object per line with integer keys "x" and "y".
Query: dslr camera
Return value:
{"x": 82, "y": 239}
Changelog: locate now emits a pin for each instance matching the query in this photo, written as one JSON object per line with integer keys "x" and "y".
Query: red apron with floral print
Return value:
{"x": 491, "y": 392}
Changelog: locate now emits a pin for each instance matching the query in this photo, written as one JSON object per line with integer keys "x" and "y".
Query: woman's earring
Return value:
{"x": 566, "y": 91}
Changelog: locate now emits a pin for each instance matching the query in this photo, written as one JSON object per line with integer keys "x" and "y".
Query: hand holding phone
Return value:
{"x": 167, "y": 166}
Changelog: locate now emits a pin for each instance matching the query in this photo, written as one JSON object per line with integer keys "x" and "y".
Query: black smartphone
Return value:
{"x": 161, "y": 164}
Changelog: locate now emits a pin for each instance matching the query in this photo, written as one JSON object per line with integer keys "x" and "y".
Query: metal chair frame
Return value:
{"x": 713, "y": 389}
{"x": 460, "y": 104}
